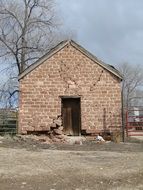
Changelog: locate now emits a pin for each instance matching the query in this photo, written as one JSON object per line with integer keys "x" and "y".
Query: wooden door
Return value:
{"x": 71, "y": 116}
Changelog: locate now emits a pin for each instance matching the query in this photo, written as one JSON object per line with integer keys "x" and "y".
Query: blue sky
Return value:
{"x": 110, "y": 29}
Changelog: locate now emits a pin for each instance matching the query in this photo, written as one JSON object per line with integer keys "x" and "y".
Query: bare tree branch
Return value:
{"x": 132, "y": 82}
{"x": 23, "y": 26}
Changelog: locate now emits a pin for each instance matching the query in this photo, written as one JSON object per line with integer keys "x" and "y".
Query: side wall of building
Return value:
{"x": 69, "y": 73}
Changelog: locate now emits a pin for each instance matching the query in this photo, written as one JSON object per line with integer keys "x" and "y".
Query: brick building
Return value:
{"x": 71, "y": 83}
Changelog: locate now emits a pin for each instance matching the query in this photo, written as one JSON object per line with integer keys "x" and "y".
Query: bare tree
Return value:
{"x": 26, "y": 30}
{"x": 132, "y": 83}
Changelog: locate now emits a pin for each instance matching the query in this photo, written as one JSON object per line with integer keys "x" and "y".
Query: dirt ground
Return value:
{"x": 30, "y": 165}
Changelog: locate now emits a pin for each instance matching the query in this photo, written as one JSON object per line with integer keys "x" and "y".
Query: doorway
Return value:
{"x": 71, "y": 115}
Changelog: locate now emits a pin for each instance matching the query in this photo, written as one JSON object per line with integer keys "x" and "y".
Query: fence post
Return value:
{"x": 16, "y": 122}
{"x": 122, "y": 112}
{"x": 127, "y": 123}
{"x": 123, "y": 124}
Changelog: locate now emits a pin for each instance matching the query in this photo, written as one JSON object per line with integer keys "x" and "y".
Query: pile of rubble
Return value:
{"x": 46, "y": 139}
{"x": 56, "y": 131}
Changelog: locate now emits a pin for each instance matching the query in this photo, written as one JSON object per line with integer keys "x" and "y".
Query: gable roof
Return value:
{"x": 60, "y": 46}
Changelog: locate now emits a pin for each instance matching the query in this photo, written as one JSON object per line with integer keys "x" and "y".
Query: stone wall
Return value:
{"x": 69, "y": 73}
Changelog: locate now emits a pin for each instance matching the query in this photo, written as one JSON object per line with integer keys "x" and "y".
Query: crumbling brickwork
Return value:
{"x": 69, "y": 73}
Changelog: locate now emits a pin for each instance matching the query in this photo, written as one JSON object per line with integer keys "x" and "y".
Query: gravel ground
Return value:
{"x": 30, "y": 165}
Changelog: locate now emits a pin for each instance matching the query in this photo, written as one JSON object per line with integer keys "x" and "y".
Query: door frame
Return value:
{"x": 72, "y": 97}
